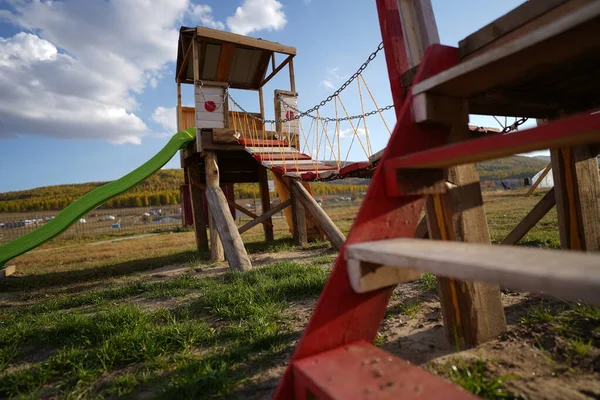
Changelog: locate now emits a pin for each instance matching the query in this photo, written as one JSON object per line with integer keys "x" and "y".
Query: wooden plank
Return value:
{"x": 225, "y": 135}
{"x": 225, "y": 62}
{"x": 184, "y": 64}
{"x": 514, "y": 19}
{"x": 472, "y": 311}
{"x": 298, "y": 221}
{"x": 562, "y": 40}
{"x": 523, "y": 268}
{"x": 320, "y": 217}
{"x": 394, "y": 43}
{"x": 421, "y": 229}
{"x": 243, "y": 40}
{"x": 264, "y": 217}
{"x": 363, "y": 371}
{"x": 365, "y": 277}
{"x": 261, "y": 69}
{"x": 265, "y": 201}
{"x": 197, "y": 197}
{"x": 276, "y": 70}
{"x": 577, "y": 187}
{"x": 533, "y": 217}
{"x": 292, "y": 76}
{"x": 438, "y": 109}
{"x": 7, "y": 271}
{"x": 233, "y": 247}
{"x": 539, "y": 179}
{"x": 544, "y": 18}
{"x": 575, "y": 130}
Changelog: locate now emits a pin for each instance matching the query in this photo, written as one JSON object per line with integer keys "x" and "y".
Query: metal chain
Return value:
{"x": 515, "y": 125}
{"x": 329, "y": 119}
{"x": 200, "y": 84}
{"x": 328, "y": 99}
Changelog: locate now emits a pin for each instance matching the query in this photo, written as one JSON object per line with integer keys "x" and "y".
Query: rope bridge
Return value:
{"x": 302, "y": 145}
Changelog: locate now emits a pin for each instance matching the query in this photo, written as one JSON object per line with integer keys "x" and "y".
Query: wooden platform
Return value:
{"x": 561, "y": 273}
{"x": 544, "y": 70}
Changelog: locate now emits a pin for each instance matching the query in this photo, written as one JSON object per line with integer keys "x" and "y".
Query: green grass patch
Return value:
{"x": 475, "y": 378}
{"x": 107, "y": 343}
{"x": 427, "y": 282}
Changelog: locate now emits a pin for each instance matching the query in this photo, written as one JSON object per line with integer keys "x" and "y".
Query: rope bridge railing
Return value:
{"x": 302, "y": 143}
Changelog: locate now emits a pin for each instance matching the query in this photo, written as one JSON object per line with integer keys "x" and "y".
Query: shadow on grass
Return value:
{"x": 283, "y": 244}
{"x": 40, "y": 281}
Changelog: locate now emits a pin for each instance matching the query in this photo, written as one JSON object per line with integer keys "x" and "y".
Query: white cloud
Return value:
{"x": 79, "y": 74}
{"x": 203, "y": 13}
{"x": 44, "y": 92}
{"x": 166, "y": 117}
{"x": 331, "y": 78}
{"x": 255, "y": 15}
{"x": 326, "y": 84}
{"x": 349, "y": 132}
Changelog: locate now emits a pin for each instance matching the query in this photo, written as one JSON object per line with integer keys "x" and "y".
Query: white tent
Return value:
{"x": 547, "y": 182}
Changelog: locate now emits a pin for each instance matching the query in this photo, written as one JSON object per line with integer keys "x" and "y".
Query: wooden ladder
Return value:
{"x": 335, "y": 359}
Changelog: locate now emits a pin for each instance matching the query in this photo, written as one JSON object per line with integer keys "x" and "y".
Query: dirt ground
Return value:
{"x": 534, "y": 359}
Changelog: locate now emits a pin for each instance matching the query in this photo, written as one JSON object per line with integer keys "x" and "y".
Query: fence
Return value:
{"x": 102, "y": 223}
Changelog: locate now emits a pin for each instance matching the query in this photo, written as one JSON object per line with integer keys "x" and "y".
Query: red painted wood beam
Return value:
{"x": 341, "y": 315}
{"x": 263, "y": 143}
{"x": 279, "y": 156}
{"x": 363, "y": 371}
{"x": 580, "y": 129}
{"x": 394, "y": 46}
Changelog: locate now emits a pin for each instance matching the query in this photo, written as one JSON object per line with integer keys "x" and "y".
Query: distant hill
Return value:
{"x": 162, "y": 188}
{"x": 515, "y": 167}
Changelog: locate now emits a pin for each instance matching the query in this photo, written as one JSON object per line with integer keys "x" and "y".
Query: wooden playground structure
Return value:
{"x": 539, "y": 61}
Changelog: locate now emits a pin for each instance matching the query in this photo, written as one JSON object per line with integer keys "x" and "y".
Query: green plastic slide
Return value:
{"x": 96, "y": 197}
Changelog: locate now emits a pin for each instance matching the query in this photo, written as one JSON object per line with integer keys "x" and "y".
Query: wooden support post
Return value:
{"x": 7, "y": 271}
{"x": 421, "y": 229}
{"x": 216, "y": 247}
{"x": 299, "y": 221}
{"x": 265, "y": 201}
{"x": 472, "y": 311}
{"x": 292, "y": 77}
{"x": 539, "y": 179}
{"x": 267, "y": 215}
{"x": 325, "y": 224}
{"x": 196, "y": 193}
{"x": 577, "y": 191}
{"x": 533, "y": 217}
{"x": 222, "y": 221}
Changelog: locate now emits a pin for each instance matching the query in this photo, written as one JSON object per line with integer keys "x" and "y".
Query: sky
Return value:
{"x": 87, "y": 90}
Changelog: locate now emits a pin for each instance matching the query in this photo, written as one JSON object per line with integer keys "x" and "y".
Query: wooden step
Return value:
{"x": 547, "y": 69}
{"x": 571, "y": 131}
{"x": 363, "y": 371}
{"x": 569, "y": 274}
{"x": 263, "y": 143}
{"x": 279, "y": 156}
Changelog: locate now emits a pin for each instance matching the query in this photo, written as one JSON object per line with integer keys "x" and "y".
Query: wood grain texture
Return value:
{"x": 532, "y": 218}
{"x": 362, "y": 371}
{"x": 523, "y": 268}
{"x": 320, "y": 217}
{"x": 197, "y": 197}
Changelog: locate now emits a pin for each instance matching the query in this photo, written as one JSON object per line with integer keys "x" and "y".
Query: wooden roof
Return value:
{"x": 239, "y": 60}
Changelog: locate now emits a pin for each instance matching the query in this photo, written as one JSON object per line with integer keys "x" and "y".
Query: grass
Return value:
{"x": 475, "y": 378}
{"x": 121, "y": 339}
{"x": 98, "y": 321}
{"x": 427, "y": 283}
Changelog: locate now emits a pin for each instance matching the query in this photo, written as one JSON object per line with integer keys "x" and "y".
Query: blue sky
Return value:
{"x": 87, "y": 87}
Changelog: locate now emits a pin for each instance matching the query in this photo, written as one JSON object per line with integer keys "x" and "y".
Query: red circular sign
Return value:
{"x": 289, "y": 114}
{"x": 210, "y": 106}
